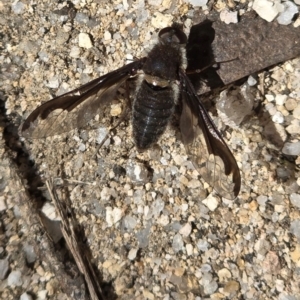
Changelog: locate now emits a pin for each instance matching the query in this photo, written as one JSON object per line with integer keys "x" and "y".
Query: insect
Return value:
{"x": 164, "y": 83}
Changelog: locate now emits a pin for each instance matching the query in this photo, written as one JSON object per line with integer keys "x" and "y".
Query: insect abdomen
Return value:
{"x": 152, "y": 110}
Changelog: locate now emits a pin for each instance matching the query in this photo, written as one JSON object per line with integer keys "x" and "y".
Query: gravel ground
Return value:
{"x": 154, "y": 229}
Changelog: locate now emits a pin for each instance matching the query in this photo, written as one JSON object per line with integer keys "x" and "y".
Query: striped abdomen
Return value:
{"x": 152, "y": 110}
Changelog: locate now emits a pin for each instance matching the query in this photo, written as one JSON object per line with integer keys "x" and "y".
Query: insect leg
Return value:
{"x": 197, "y": 71}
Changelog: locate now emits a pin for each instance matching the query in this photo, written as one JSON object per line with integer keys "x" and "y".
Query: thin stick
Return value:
{"x": 71, "y": 231}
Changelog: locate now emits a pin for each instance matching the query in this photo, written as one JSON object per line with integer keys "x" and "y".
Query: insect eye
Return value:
{"x": 171, "y": 35}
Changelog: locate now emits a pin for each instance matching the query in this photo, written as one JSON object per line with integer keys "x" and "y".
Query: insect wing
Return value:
{"x": 205, "y": 145}
{"x": 74, "y": 109}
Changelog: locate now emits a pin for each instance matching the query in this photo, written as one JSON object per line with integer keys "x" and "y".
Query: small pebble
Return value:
{"x": 29, "y": 253}
{"x": 4, "y": 266}
{"x": 189, "y": 249}
{"x": 113, "y": 215}
{"x": 280, "y": 99}
{"x": 160, "y": 20}
{"x": 18, "y": 7}
{"x": 290, "y": 104}
{"x": 291, "y": 148}
{"x": 137, "y": 172}
{"x": 177, "y": 243}
{"x": 278, "y": 118}
{"x": 84, "y": 40}
{"x": 224, "y": 274}
{"x": 129, "y": 222}
{"x": 53, "y": 82}
{"x": 270, "y": 98}
{"x": 132, "y": 253}
{"x": 26, "y": 296}
{"x": 202, "y": 245}
{"x": 81, "y": 18}
{"x": 101, "y": 134}
{"x": 205, "y": 268}
{"x": 148, "y": 295}
{"x": 251, "y": 81}
{"x": 211, "y": 202}
{"x": 295, "y": 229}
{"x": 49, "y": 211}
{"x": 42, "y": 295}
{"x": 155, "y": 2}
{"x": 229, "y": 16}
{"x": 211, "y": 287}
{"x": 296, "y": 112}
{"x": 231, "y": 287}
{"x": 286, "y": 17}
{"x": 295, "y": 199}
{"x": 186, "y": 230}
{"x": 143, "y": 236}
{"x": 15, "y": 278}
{"x": 81, "y": 147}
{"x": 261, "y": 200}
{"x": 75, "y": 52}
{"x": 116, "y": 110}
{"x": 107, "y": 35}
{"x": 294, "y": 128}
{"x": 266, "y": 9}
{"x": 184, "y": 207}
{"x": 295, "y": 255}
{"x": 196, "y": 3}
{"x": 3, "y": 205}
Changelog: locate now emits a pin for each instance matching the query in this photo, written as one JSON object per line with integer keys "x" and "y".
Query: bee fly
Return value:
{"x": 152, "y": 109}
